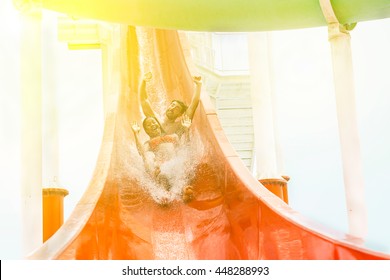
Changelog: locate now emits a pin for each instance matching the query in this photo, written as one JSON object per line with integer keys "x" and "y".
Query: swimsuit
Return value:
{"x": 155, "y": 142}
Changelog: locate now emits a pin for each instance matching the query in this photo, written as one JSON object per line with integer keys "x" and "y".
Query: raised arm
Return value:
{"x": 186, "y": 123}
{"x": 136, "y": 129}
{"x": 195, "y": 98}
{"x": 145, "y": 104}
{"x": 142, "y": 149}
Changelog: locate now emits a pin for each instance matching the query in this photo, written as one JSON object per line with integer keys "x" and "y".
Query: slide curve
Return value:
{"x": 217, "y": 15}
{"x": 232, "y": 216}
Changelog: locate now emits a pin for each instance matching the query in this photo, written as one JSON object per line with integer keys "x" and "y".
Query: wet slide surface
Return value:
{"x": 232, "y": 216}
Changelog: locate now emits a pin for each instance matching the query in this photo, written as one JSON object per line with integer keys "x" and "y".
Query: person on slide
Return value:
{"x": 170, "y": 123}
{"x": 160, "y": 149}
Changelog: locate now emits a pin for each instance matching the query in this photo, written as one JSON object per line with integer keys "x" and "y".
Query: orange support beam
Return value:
{"x": 278, "y": 186}
{"x": 285, "y": 191}
{"x": 52, "y": 210}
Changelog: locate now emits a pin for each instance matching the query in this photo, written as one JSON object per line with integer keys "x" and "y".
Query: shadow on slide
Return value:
{"x": 232, "y": 216}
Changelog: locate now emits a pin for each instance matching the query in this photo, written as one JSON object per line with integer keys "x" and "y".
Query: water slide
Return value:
{"x": 232, "y": 215}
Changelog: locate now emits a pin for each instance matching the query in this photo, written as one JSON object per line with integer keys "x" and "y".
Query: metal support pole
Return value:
{"x": 31, "y": 134}
{"x": 339, "y": 39}
{"x": 268, "y": 156}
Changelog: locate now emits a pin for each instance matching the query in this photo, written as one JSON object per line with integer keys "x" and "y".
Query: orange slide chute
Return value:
{"x": 232, "y": 216}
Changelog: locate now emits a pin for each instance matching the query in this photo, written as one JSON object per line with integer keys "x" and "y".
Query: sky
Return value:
{"x": 306, "y": 120}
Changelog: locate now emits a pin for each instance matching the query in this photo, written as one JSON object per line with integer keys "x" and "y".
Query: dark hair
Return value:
{"x": 151, "y": 117}
{"x": 182, "y": 105}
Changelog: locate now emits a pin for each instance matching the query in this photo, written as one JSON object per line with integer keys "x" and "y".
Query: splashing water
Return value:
{"x": 155, "y": 89}
{"x": 179, "y": 171}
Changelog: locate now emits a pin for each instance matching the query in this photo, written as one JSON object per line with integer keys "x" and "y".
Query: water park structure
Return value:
{"x": 241, "y": 216}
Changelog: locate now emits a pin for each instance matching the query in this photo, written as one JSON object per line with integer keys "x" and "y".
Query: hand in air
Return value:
{"x": 135, "y": 127}
{"x": 148, "y": 76}
{"x": 197, "y": 80}
{"x": 186, "y": 121}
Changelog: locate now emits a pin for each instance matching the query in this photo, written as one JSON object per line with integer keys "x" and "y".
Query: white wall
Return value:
{"x": 10, "y": 207}
{"x": 80, "y": 123}
{"x": 308, "y": 124}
